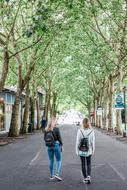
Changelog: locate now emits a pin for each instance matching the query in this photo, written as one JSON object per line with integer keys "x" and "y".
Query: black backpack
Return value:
{"x": 49, "y": 138}
{"x": 84, "y": 143}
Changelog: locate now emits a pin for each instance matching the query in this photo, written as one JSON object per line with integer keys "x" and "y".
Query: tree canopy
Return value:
{"x": 74, "y": 49}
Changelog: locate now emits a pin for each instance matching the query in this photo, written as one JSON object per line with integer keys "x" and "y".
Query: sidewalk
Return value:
{"x": 24, "y": 164}
{"x": 5, "y": 140}
{"x": 113, "y": 135}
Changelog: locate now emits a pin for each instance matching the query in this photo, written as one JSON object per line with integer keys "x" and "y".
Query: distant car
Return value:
{"x": 77, "y": 123}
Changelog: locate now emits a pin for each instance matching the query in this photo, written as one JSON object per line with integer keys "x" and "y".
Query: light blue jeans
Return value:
{"x": 54, "y": 151}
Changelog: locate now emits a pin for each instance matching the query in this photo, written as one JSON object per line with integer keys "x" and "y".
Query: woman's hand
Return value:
{"x": 77, "y": 153}
{"x": 62, "y": 149}
{"x": 92, "y": 153}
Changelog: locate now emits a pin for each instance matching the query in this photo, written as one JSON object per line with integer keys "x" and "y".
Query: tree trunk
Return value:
{"x": 47, "y": 101}
{"x": 15, "y": 111}
{"x": 46, "y": 105}
{"x": 95, "y": 113}
{"x": 100, "y": 121}
{"x": 54, "y": 104}
{"x": 121, "y": 61}
{"x": 20, "y": 86}
{"x": 38, "y": 114}
{"x": 32, "y": 103}
{"x": 105, "y": 116}
{"x": 50, "y": 108}
{"x": 24, "y": 128}
{"x": 97, "y": 116}
{"x": 4, "y": 71}
{"x": 14, "y": 132}
{"x": 110, "y": 105}
{"x": 120, "y": 88}
{"x": 118, "y": 122}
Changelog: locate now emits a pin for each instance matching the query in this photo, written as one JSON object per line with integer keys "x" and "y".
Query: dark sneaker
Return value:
{"x": 58, "y": 178}
{"x": 89, "y": 179}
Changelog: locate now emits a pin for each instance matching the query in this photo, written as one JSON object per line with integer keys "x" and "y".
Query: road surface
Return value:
{"x": 24, "y": 165}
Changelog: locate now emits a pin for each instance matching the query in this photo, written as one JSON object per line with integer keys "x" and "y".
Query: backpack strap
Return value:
{"x": 88, "y": 133}
{"x": 54, "y": 135}
{"x": 82, "y": 133}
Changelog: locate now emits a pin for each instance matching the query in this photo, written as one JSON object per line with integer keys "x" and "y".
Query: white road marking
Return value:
{"x": 86, "y": 187}
{"x": 97, "y": 166}
{"x": 34, "y": 159}
{"x": 117, "y": 172}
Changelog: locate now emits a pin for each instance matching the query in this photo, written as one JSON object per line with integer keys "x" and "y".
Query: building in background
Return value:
{"x": 7, "y": 98}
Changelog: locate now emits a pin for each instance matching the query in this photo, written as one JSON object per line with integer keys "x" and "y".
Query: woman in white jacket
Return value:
{"x": 86, "y": 132}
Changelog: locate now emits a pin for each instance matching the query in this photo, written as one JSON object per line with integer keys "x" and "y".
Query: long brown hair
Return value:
{"x": 86, "y": 123}
{"x": 51, "y": 124}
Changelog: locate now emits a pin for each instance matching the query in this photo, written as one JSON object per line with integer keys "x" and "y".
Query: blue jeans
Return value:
{"x": 54, "y": 151}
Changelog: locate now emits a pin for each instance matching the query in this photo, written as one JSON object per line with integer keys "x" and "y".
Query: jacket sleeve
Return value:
{"x": 59, "y": 136}
{"x": 44, "y": 135}
{"x": 77, "y": 142}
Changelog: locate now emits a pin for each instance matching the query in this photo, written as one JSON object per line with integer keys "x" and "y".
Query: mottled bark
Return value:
{"x": 38, "y": 114}
{"x": 14, "y": 131}
{"x": 21, "y": 83}
{"x": 120, "y": 89}
{"x": 48, "y": 100}
{"x": 95, "y": 113}
{"x": 97, "y": 117}
{"x": 118, "y": 122}
{"x": 110, "y": 105}
{"x": 121, "y": 60}
{"x": 15, "y": 111}
{"x": 24, "y": 128}
{"x": 4, "y": 71}
{"x": 54, "y": 101}
{"x": 45, "y": 104}
{"x": 105, "y": 114}
{"x": 32, "y": 104}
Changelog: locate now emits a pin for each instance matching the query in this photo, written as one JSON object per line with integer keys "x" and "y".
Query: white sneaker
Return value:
{"x": 89, "y": 179}
{"x": 58, "y": 178}
{"x": 52, "y": 177}
{"x": 85, "y": 180}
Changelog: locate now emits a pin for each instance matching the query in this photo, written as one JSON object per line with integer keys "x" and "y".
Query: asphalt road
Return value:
{"x": 24, "y": 165}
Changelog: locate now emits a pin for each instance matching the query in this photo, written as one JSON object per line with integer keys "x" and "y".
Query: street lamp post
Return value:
{"x": 125, "y": 109}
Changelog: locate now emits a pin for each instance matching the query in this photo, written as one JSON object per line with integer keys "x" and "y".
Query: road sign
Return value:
{"x": 99, "y": 110}
{"x": 119, "y": 100}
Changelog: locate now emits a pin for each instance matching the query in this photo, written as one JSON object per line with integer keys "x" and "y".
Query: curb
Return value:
{"x": 114, "y": 136}
{"x": 3, "y": 143}
{"x": 4, "y": 140}
{"x": 19, "y": 137}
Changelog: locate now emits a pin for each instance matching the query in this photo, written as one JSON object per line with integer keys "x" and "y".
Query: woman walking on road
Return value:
{"x": 85, "y": 147}
{"x": 54, "y": 145}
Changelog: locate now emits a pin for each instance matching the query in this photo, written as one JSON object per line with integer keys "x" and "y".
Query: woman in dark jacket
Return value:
{"x": 54, "y": 149}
